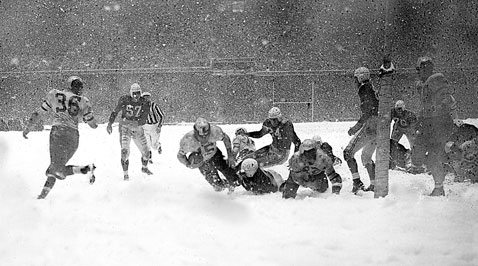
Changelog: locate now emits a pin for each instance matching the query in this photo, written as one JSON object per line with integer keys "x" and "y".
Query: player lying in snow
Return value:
{"x": 198, "y": 149}
{"x": 310, "y": 167}
{"x": 462, "y": 153}
{"x": 257, "y": 180}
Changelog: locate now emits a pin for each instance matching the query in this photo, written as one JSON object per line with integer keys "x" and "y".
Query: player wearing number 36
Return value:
{"x": 198, "y": 149}
{"x": 134, "y": 112}
{"x": 68, "y": 107}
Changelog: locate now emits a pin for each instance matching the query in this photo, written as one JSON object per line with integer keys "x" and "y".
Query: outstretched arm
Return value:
{"x": 35, "y": 117}
{"x": 258, "y": 134}
{"x": 230, "y": 154}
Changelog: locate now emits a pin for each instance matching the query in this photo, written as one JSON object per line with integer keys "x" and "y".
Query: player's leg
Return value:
{"x": 220, "y": 164}
{"x": 140, "y": 141}
{"x": 434, "y": 163}
{"x": 369, "y": 164}
{"x": 211, "y": 175}
{"x": 358, "y": 141}
{"x": 60, "y": 153}
{"x": 125, "y": 141}
{"x": 289, "y": 188}
{"x": 274, "y": 157}
{"x": 148, "y": 134}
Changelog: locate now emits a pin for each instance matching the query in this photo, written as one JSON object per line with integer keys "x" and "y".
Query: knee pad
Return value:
{"x": 124, "y": 154}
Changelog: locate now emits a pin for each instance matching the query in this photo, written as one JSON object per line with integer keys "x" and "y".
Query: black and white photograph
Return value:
{"x": 239, "y": 132}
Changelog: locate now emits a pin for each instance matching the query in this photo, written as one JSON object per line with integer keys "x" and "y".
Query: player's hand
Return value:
{"x": 25, "y": 133}
{"x": 355, "y": 129}
{"x": 109, "y": 128}
{"x": 458, "y": 122}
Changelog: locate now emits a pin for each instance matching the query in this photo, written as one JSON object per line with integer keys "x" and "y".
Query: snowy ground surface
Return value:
{"x": 175, "y": 218}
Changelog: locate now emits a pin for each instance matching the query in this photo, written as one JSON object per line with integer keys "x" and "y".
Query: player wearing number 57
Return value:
{"x": 67, "y": 107}
{"x": 134, "y": 113}
{"x": 198, "y": 149}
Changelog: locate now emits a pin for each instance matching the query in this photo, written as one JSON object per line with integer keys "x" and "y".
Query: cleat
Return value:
{"x": 357, "y": 186}
{"x": 370, "y": 188}
{"x": 160, "y": 150}
{"x": 126, "y": 177}
{"x": 438, "y": 191}
{"x": 91, "y": 172}
{"x": 146, "y": 171}
{"x": 150, "y": 161}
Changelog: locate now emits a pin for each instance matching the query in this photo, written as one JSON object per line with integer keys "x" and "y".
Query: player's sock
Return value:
{"x": 50, "y": 182}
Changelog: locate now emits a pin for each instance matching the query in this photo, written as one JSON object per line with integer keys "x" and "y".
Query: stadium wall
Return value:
{"x": 229, "y": 99}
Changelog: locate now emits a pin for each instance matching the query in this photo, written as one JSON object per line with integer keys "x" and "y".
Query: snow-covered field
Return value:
{"x": 175, "y": 218}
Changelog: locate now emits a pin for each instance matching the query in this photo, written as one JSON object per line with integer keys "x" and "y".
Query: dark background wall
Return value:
{"x": 42, "y": 40}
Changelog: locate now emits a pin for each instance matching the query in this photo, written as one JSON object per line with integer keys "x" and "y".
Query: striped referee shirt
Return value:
{"x": 155, "y": 115}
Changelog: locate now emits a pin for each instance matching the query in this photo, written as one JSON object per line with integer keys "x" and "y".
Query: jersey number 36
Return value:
{"x": 72, "y": 106}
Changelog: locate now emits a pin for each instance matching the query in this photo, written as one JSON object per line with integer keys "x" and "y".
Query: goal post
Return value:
{"x": 383, "y": 128}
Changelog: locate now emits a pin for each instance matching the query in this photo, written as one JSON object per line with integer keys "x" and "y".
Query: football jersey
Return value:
{"x": 67, "y": 108}
{"x": 241, "y": 143}
{"x": 133, "y": 110}
{"x": 190, "y": 144}
{"x": 282, "y": 135}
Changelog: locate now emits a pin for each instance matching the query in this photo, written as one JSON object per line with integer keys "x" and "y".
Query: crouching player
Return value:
{"x": 466, "y": 154}
{"x": 198, "y": 149}
{"x": 310, "y": 167}
{"x": 257, "y": 180}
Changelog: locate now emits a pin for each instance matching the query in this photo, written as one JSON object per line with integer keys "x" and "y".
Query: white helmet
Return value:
{"x": 146, "y": 94}
{"x": 249, "y": 166}
{"x": 307, "y": 144}
{"x": 400, "y": 104}
{"x": 317, "y": 139}
{"x": 275, "y": 112}
{"x": 362, "y": 74}
{"x": 134, "y": 88}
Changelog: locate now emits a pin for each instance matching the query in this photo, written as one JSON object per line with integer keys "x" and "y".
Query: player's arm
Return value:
{"x": 227, "y": 144}
{"x": 145, "y": 109}
{"x": 295, "y": 139}
{"x": 113, "y": 115}
{"x": 88, "y": 115}
{"x": 183, "y": 151}
{"x": 35, "y": 117}
{"x": 258, "y": 134}
{"x": 115, "y": 112}
{"x": 236, "y": 145}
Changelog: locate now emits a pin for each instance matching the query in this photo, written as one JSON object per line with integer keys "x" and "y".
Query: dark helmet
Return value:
{"x": 76, "y": 85}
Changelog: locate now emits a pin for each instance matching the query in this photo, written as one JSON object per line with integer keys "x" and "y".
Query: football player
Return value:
{"x": 405, "y": 123}
{"x": 203, "y": 139}
{"x": 257, "y": 180}
{"x": 283, "y": 135}
{"x": 242, "y": 145}
{"x": 311, "y": 167}
{"x": 68, "y": 107}
{"x": 364, "y": 132}
{"x": 461, "y": 134}
{"x": 134, "y": 113}
{"x": 437, "y": 121}
{"x": 152, "y": 128}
